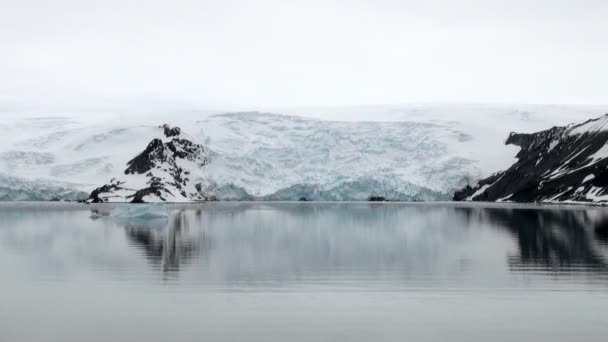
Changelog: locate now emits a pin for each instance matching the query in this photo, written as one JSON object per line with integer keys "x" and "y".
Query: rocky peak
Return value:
{"x": 171, "y": 131}
{"x": 163, "y": 171}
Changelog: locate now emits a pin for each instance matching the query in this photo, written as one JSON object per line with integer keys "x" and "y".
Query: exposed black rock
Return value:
{"x": 154, "y": 154}
{"x": 171, "y": 131}
{"x": 158, "y": 152}
{"x": 156, "y": 188}
{"x": 376, "y": 198}
{"x": 461, "y": 195}
{"x": 95, "y": 196}
{"x": 556, "y": 165}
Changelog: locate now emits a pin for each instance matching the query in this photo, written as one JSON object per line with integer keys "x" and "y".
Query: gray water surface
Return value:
{"x": 305, "y": 272}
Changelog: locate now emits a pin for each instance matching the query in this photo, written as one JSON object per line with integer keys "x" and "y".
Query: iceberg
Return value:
{"x": 155, "y": 210}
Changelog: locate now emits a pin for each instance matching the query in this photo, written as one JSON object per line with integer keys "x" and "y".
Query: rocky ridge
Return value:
{"x": 566, "y": 164}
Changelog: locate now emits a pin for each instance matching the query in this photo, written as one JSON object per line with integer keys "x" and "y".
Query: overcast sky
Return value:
{"x": 294, "y": 53}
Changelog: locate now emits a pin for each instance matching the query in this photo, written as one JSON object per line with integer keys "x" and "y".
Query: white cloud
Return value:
{"x": 281, "y": 53}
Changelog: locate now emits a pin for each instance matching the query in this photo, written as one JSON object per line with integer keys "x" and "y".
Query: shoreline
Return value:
{"x": 8, "y": 205}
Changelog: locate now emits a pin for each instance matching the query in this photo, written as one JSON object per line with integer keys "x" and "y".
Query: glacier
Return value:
{"x": 418, "y": 152}
{"x": 285, "y": 157}
{"x": 18, "y": 189}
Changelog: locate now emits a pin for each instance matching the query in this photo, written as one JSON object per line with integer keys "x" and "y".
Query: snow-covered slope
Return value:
{"x": 417, "y": 152}
{"x": 562, "y": 164}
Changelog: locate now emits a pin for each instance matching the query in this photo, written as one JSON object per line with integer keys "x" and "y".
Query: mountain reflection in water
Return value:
{"x": 551, "y": 239}
{"x": 167, "y": 244}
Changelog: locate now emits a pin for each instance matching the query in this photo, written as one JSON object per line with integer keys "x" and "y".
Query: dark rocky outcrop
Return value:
{"x": 561, "y": 164}
{"x": 462, "y": 194}
{"x": 156, "y": 188}
{"x": 155, "y": 153}
{"x": 165, "y": 167}
{"x": 171, "y": 131}
{"x": 114, "y": 186}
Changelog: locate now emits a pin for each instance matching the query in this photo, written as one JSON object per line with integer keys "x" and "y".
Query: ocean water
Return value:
{"x": 304, "y": 272}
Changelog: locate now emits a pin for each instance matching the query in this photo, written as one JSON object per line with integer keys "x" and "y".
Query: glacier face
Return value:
{"x": 18, "y": 189}
{"x": 285, "y": 158}
{"x": 421, "y": 152}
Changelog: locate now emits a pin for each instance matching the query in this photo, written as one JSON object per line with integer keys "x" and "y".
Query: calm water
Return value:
{"x": 305, "y": 272}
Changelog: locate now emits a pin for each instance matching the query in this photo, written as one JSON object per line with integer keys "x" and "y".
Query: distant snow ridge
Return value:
{"x": 167, "y": 170}
{"x": 562, "y": 164}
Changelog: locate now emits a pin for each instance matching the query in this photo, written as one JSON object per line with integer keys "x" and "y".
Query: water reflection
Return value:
{"x": 254, "y": 244}
{"x": 259, "y": 245}
{"x": 168, "y": 244}
{"x": 305, "y": 271}
{"x": 549, "y": 239}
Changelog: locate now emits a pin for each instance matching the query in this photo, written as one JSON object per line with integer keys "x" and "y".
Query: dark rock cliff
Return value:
{"x": 561, "y": 164}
